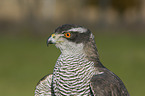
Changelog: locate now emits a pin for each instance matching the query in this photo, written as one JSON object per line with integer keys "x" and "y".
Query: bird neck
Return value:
{"x": 79, "y": 55}
{"x": 71, "y": 49}
{"x": 91, "y": 51}
{"x": 72, "y": 53}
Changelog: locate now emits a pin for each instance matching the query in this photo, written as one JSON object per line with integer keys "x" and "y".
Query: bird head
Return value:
{"x": 72, "y": 39}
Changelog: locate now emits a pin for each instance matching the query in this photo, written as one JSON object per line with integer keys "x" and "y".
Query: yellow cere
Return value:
{"x": 53, "y": 35}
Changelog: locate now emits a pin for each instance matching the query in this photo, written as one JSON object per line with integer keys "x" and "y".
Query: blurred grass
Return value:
{"x": 23, "y": 61}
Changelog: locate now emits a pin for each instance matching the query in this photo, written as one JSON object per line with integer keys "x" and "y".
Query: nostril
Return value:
{"x": 53, "y": 36}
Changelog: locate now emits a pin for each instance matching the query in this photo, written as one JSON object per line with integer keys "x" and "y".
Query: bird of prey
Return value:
{"x": 78, "y": 70}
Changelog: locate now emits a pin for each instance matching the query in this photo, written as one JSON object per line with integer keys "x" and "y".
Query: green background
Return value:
{"x": 25, "y": 60}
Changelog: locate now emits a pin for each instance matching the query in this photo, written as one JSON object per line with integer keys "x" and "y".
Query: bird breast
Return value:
{"x": 72, "y": 75}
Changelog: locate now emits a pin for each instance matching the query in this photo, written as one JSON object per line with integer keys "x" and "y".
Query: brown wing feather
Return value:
{"x": 107, "y": 84}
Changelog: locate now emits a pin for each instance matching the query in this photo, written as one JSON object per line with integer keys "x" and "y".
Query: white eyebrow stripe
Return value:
{"x": 79, "y": 29}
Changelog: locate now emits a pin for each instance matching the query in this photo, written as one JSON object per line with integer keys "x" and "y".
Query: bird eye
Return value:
{"x": 67, "y": 35}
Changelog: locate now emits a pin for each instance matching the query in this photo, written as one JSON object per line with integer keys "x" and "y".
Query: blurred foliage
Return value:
{"x": 118, "y": 5}
{"x": 53, "y": 12}
{"x": 122, "y": 5}
{"x": 25, "y": 60}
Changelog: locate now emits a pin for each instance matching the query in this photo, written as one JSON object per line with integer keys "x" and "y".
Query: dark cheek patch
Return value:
{"x": 79, "y": 37}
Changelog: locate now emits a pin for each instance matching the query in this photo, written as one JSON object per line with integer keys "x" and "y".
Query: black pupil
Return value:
{"x": 67, "y": 34}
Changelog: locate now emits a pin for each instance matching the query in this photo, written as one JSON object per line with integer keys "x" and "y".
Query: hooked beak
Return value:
{"x": 53, "y": 39}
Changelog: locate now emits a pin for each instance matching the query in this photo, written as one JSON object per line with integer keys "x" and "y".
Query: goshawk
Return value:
{"x": 78, "y": 70}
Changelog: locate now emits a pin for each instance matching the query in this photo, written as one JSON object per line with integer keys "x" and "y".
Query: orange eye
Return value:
{"x": 67, "y": 35}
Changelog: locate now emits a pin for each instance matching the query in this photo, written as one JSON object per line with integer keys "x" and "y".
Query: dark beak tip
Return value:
{"x": 49, "y": 42}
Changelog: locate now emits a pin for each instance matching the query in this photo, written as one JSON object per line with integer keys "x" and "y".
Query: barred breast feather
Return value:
{"x": 72, "y": 75}
{"x": 43, "y": 87}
